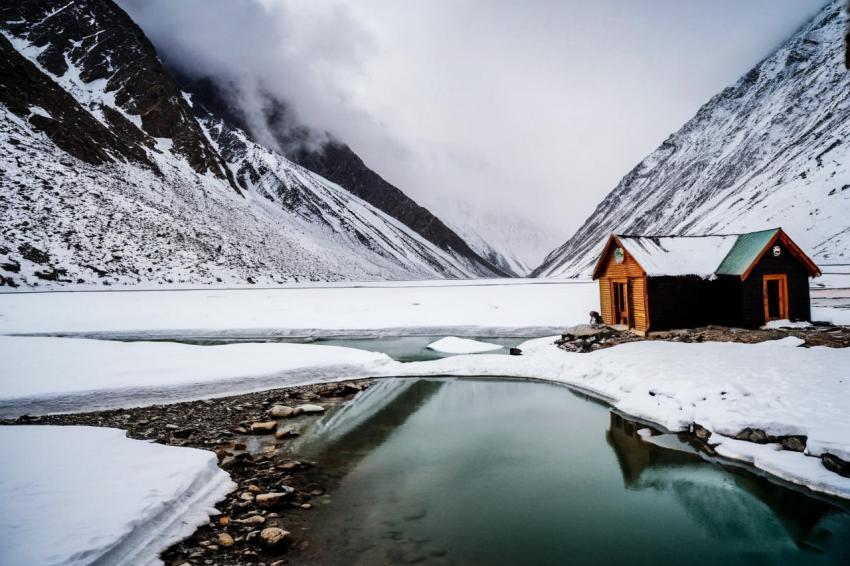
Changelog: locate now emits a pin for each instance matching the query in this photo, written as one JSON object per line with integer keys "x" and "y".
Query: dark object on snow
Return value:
{"x": 595, "y": 318}
{"x": 664, "y": 282}
{"x": 515, "y": 352}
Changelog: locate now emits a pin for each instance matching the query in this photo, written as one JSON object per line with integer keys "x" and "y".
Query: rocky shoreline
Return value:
{"x": 590, "y": 337}
{"x": 265, "y": 520}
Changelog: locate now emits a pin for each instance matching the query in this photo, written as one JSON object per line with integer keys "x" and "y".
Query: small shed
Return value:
{"x": 664, "y": 282}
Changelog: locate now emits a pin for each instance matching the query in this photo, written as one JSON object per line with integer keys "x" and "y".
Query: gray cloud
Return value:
{"x": 526, "y": 109}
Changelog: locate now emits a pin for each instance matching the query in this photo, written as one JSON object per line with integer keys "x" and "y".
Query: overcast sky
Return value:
{"x": 533, "y": 109}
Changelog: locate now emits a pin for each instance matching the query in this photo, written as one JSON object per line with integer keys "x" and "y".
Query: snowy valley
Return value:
{"x": 111, "y": 181}
{"x": 221, "y": 346}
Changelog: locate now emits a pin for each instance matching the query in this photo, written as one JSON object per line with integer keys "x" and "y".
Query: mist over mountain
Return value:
{"x": 112, "y": 174}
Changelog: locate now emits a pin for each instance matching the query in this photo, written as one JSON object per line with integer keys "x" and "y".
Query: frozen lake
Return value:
{"x": 445, "y": 471}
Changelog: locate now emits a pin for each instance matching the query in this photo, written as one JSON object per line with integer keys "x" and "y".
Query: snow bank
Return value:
{"x": 455, "y": 345}
{"x": 70, "y": 374}
{"x": 52, "y": 478}
{"x": 839, "y": 315}
{"x": 785, "y": 323}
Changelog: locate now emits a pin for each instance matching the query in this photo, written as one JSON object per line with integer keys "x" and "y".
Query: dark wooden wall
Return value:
{"x": 679, "y": 302}
{"x": 799, "y": 307}
{"x": 683, "y": 302}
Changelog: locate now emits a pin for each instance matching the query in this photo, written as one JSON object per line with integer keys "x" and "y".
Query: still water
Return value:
{"x": 491, "y": 472}
{"x": 399, "y": 348}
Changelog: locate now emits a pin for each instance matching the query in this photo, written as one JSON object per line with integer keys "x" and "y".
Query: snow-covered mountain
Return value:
{"x": 108, "y": 175}
{"x": 276, "y": 127}
{"x": 771, "y": 150}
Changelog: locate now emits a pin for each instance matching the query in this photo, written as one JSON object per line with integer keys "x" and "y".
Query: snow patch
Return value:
{"x": 39, "y": 111}
{"x": 785, "y": 323}
{"x": 52, "y": 475}
{"x": 455, "y": 345}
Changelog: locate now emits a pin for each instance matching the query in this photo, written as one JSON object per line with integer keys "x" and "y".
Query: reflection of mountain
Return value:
{"x": 340, "y": 440}
{"x": 725, "y": 513}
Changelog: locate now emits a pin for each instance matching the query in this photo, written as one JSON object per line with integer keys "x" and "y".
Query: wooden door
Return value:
{"x": 620, "y": 302}
{"x": 775, "y": 295}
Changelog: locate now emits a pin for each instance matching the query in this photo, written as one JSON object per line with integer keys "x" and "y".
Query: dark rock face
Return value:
{"x": 105, "y": 189}
{"x": 337, "y": 162}
{"x": 23, "y": 86}
{"x": 104, "y": 44}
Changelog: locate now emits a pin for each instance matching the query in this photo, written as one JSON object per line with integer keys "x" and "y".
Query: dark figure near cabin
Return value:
{"x": 595, "y": 318}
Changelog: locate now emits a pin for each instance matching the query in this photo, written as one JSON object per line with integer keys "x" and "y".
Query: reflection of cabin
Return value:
{"x": 663, "y": 282}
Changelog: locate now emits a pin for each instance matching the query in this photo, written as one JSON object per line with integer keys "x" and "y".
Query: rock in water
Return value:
{"x": 225, "y": 540}
{"x": 272, "y": 537}
{"x": 281, "y": 412}
{"x": 267, "y": 500}
{"x": 309, "y": 409}
{"x": 267, "y": 427}
{"x": 286, "y": 432}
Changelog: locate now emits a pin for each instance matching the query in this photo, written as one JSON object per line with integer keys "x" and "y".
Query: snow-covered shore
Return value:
{"x": 774, "y": 386}
{"x": 53, "y": 480}
{"x": 43, "y": 374}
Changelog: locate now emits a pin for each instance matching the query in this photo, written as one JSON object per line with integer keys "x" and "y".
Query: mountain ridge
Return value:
{"x": 110, "y": 178}
{"x": 770, "y": 150}
{"x": 333, "y": 160}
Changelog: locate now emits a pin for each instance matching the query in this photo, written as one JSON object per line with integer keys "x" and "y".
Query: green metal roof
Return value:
{"x": 744, "y": 252}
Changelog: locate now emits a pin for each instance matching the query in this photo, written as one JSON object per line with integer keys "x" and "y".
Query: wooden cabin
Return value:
{"x": 665, "y": 282}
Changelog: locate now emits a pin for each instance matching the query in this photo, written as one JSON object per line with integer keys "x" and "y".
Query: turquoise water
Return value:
{"x": 492, "y": 472}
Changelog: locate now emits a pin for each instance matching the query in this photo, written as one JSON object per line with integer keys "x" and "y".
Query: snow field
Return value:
{"x": 54, "y": 479}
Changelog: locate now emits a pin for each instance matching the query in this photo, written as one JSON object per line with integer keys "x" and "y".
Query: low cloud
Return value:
{"x": 530, "y": 110}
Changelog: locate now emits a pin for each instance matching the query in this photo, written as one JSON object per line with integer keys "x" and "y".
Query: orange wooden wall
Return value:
{"x": 627, "y": 270}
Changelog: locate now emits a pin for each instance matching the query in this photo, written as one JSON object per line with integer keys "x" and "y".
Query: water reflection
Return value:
{"x": 344, "y": 436}
{"x": 728, "y": 514}
{"x": 505, "y": 472}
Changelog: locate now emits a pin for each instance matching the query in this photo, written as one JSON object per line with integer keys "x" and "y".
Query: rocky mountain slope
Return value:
{"x": 108, "y": 175}
{"x": 771, "y": 150}
{"x": 321, "y": 153}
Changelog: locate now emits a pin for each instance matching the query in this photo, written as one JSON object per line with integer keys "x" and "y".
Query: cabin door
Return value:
{"x": 775, "y": 289}
{"x": 621, "y": 300}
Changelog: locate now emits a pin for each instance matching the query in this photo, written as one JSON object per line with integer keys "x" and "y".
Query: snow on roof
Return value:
{"x": 679, "y": 255}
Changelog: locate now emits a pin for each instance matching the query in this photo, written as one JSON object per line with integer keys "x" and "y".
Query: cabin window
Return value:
{"x": 775, "y": 289}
